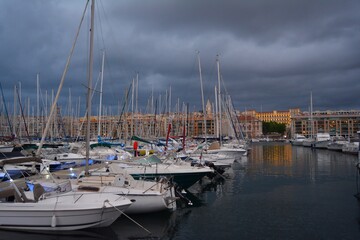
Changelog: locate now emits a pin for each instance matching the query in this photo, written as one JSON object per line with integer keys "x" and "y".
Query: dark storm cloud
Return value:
{"x": 272, "y": 53}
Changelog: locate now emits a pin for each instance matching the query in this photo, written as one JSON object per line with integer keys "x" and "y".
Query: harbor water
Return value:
{"x": 278, "y": 191}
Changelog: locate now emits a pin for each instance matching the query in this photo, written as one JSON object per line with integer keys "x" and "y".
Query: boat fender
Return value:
{"x": 53, "y": 221}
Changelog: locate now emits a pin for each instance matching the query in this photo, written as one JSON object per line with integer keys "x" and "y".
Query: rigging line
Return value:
{"x": 107, "y": 63}
{"x": 209, "y": 92}
{"x": 232, "y": 104}
{"x": 123, "y": 108}
{"x": 232, "y": 120}
{"x": 22, "y": 113}
{"x": 92, "y": 95}
{"x": 6, "y": 111}
{"x": 237, "y": 120}
{"x": 61, "y": 83}
{"x": 223, "y": 84}
{"x": 131, "y": 219}
{"x": 100, "y": 27}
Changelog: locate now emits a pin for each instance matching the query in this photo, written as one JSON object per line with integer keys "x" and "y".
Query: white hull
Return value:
{"x": 150, "y": 203}
{"x": 335, "y": 146}
{"x": 322, "y": 144}
{"x": 352, "y": 148}
{"x": 228, "y": 152}
{"x": 297, "y": 143}
{"x": 159, "y": 169}
{"x": 321, "y": 140}
{"x": 150, "y": 197}
{"x": 308, "y": 143}
{"x": 64, "y": 212}
{"x": 298, "y": 140}
{"x": 217, "y": 160}
{"x": 184, "y": 175}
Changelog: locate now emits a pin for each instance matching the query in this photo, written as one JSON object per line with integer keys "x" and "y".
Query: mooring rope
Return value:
{"x": 130, "y": 218}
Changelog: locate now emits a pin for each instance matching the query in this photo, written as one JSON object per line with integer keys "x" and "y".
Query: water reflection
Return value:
{"x": 101, "y": 233}
{"x": 299, "y": 162}
{"x": 159, "y": 224}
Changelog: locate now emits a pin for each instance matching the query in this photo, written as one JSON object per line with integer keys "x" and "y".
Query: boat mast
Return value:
{"x": 169, "y": 108}
{"x": 18, "y": 91}
{"x": 88, "y": 102}
{"x": 6, "y": 112}
{"x": 37, "y": 103}
{"x": 311, "y": 117}
{"x": 219, "y": 96}
{"x": 101, "y": 92}
{"x": 136, "y": 103}
{"x": 216, "y": 112}
{"x": 14, "y": 115}
{"x": 202, "y": 98}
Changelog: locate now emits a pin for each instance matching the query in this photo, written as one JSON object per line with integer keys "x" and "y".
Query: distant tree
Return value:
{"x": 272, "y": 127}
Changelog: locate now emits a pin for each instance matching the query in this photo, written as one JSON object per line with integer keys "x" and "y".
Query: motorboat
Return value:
{"x": 69, "y": 211}
{"x": 337, "y": 143}
{"x": 39, "y": 210}
{"x": 351, "y": 147}
{"x": 146, "y": 196}
{"x": 321, "y": 140}
{"x": 298, "y": 140}
{"x": 308, "y": 142}
{"x": 151, "y": 168}
{"x": 215, "y": 148}
{"x": 219, "y": 160}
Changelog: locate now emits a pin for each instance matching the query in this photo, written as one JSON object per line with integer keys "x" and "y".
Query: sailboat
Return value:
{"x": 298, "y": 140}
{"x": 39, "y": 210}
{"x": 152, "y": 168}
{"x": 218, "y": 149}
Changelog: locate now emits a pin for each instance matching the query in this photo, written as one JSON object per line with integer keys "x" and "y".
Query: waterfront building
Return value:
{"x": 276, "y": 116}
{"x": 336, "y": 123}
{"x": 251, "y": 126}
{"x": 248, "y": 124}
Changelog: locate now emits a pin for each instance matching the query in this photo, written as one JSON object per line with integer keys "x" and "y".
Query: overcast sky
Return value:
{"x": 272, "y": 53}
